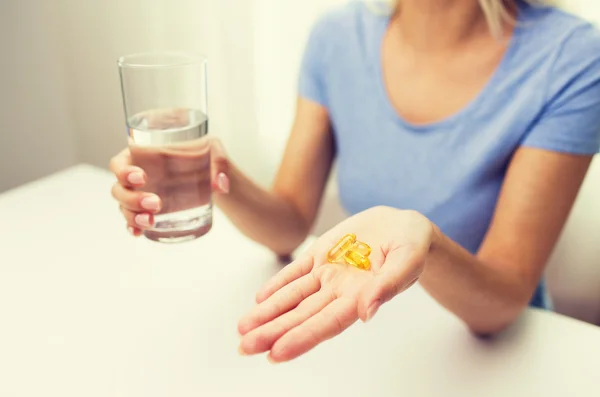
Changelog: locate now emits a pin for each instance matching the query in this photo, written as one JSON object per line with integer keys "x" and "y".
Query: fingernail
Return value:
{"x": 223, "y": 183}
{"x": 143, "y": 220}
{"x": 241, "y": 351}
{"x": 271, "y": 360}
{"x": 151, "y": 203}
{"x": 136, "y": 178}
{"x": 131, "y": 230}
{"x": 372, "y": 310}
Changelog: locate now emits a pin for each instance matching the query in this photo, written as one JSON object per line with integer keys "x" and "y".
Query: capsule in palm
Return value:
{"x": 358, "y": 255}
{"x": 337, "y": 253}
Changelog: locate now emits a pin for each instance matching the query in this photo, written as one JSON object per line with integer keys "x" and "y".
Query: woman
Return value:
{"x": 462, "y": 130}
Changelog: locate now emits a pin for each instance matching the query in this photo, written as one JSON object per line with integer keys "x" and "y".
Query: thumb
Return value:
{"x": 401, "y": 269}
{"x": 219, "y": 167}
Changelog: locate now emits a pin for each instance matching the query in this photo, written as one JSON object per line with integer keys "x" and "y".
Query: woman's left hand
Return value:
{"x": 312, "y": 300}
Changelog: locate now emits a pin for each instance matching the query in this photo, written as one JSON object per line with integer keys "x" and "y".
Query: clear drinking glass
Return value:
{"x": 165, "y": 100}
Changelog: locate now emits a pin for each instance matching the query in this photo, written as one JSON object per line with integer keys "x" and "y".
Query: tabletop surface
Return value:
{"x": 87, "y": 310}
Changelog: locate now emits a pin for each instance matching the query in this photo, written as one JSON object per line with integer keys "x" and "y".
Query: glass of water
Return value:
{"x": 165, "y": 101}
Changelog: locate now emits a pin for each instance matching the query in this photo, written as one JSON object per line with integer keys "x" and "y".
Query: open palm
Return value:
{"x": 312, "y": 300}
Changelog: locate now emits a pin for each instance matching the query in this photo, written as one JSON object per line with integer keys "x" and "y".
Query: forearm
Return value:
{"x": 486, "y": 297}
{"x": 262, "y": 215}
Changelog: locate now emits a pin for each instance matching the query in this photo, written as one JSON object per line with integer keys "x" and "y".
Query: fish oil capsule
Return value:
{"x": 358, "y": 256}
{"x": 336, "y": 254}
{"x": 357, "y": 260}
{"x": 361, "y": 248}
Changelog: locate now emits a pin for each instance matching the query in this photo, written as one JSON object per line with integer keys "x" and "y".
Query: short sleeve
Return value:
{"x": 570, "y": 120}
{"x": 311, "y": 84}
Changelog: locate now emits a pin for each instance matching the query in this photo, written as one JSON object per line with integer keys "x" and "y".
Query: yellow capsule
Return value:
{"x": 336, "y": 254}
{"x": 366, "y": 265}
{"x": 361, "y": 248}
{"x": 357, "y": 259}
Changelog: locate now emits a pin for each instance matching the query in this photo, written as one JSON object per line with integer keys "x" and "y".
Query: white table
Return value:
{"x": 86, "y": 310}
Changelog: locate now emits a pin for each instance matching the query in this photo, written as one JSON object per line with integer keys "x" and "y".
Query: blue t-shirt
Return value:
{"x": 544, "y": 94}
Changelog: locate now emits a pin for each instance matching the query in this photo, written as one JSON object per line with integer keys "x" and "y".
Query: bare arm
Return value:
{"x": 489, "y": 290}
{"x": 311, "y": 300}
{"x": 281, "y": 218}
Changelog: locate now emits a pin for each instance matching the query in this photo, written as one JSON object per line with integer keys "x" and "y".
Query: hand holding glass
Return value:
{"x": 165, "y": 100}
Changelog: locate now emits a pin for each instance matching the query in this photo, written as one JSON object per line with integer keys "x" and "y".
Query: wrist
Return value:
{"x": 436, "y": 248}
{"x": 437, "y": 238}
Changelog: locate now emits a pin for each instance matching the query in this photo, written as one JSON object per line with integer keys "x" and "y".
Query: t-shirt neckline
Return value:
{"x": 466, "y": 110}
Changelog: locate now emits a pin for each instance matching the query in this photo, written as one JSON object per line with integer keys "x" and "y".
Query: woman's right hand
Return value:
{"x": 139, "y": 207}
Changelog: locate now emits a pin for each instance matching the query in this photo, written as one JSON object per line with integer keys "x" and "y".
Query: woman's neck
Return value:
{"x": 438, "y": 25}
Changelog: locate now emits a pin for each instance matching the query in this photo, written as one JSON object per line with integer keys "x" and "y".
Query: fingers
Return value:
{"x": 131, "y": 202}
{"x": 127, "y": 174}
{"x": 262, "y": 338}
{"x": 329, "y": 322}
{"x": 291, "y": 272}
{"x": 279, "y": 303}
{"x": 219, "y": 167}
{"x": 134, "y": 231}
{"x": 138, "y": 221}
{"x": 120, "y": 161}
{"x": 136, "y": 201}
{"x": 221, "y": 184}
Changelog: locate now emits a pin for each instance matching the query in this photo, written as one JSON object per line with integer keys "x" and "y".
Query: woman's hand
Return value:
{"x": 312, "y": 300}
{"x": 139, "y": 206}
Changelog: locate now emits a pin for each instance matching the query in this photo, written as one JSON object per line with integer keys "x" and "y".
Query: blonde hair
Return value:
{"x": 497, "y": 12}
